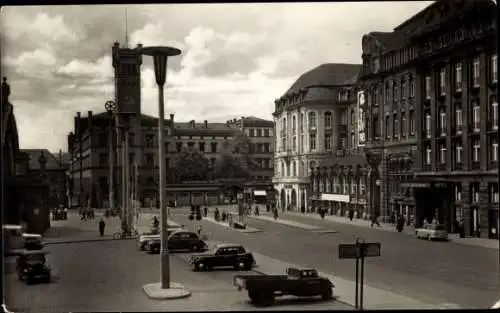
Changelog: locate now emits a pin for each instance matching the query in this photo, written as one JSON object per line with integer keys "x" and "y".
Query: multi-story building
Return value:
{"x": 432, "y": 116}
{"x": 311, "y": 121}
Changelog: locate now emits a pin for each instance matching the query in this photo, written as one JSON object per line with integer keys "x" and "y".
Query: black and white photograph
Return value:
{"x": 281, "y": 156}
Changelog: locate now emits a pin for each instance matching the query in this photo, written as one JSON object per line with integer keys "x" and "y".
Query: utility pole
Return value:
{"x": 80, "y": 151}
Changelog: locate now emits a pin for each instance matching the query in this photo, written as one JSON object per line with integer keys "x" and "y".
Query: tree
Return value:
{"x": 236, "y": 160}
{"x": 190, "y": 164}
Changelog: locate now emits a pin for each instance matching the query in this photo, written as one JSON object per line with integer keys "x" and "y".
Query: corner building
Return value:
{"x": 432, "y": 139}
{"x": 311, "y": 124}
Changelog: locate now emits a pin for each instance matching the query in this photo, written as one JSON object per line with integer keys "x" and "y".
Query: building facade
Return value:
{"x": 432, "y": 124}
{"x": 311, "y": 125}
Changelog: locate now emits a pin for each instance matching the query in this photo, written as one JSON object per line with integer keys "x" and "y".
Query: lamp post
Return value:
{"x": 110, "y": 107}
{"x": 124, "y": 127}
{"x": 160, "y": 57}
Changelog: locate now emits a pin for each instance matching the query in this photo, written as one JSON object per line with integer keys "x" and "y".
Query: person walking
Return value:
{"x": 102, "y": 226}
{"x": 375, "y": 221}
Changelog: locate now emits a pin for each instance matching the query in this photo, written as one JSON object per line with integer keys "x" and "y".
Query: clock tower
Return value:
{"x": 127, "y": 65}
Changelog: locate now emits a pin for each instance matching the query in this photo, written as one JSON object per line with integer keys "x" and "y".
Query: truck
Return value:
{"x": 223, "y": 255}
{"x": 262, "y": 289}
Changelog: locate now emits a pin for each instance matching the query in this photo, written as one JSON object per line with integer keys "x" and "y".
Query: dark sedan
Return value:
{"x": 179, "y": 240}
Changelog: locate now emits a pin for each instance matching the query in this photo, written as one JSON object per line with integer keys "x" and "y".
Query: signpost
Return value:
{"x": 359, "y": 251}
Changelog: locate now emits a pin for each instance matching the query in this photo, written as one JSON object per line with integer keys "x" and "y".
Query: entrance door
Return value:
{"x": 493, "y": 223}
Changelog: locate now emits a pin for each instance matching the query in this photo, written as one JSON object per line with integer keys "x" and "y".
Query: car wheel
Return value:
{"x": 200, "y": 266}
{"x": 327, "y": 294}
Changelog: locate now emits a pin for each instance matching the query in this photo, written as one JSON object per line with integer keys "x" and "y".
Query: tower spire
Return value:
{"x": 126, "y": 28}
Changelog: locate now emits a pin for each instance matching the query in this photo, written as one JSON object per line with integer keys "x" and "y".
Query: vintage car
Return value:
{"x": 223, "y": 255}
{"x": 31, "y": 267}
{"x": 262, "y": 289}
{"x": 142, "y": 241}
{"x": 432, "y": 232}
{"x": 179, "y": 240}
{"x": 33, "y": 241}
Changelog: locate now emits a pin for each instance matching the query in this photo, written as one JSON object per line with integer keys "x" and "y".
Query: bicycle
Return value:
{"x": 130, "y": 234}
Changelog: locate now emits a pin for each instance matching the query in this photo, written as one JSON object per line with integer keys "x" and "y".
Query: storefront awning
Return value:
{"x": 260, "y": 193}
{"x": 335, "y": 197}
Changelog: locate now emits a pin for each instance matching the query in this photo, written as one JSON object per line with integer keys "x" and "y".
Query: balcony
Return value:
{"x": 458, "y": 89}
{"x": 427, "y": 168}
{"x": 441, "y": 132}
{"x": 458, "y": 167}
{"x": 441, "y": 167}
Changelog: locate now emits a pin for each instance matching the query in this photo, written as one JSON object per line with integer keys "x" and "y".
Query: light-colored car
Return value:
{"x": 432, "y": 232}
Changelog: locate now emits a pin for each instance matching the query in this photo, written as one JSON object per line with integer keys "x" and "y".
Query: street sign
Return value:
{"x": 371, "y": 249}
{"x": 349, "y": 251}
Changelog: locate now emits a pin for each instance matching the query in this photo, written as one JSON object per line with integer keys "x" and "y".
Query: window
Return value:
{"x": 476, "y": 115}
{"x": 458, "y": 76}
{"x": 475, "y": 72}
{"x": 494, "y": 193}
{"x": 251, "y": 132}
{"x": 442, "y": 154}
{"x": 328, "y": 142}
{"x": 312, "y": 142}
{"x": 150, "y": 159}
{"x": 354, "y": 188}
{"x": 403, "y": 88}
{"x": 412, "y": 87}
{"x": 403, "y": 124}
{"x": 396, "y": 90}
{"x": 458, "y": 192}
{"x": 442, "y": 121}
{"x": 494, "y": 112}
{"x": 475, "y": 150}
{"x": 427, "y": 87}
{"x": 294, "y": 124}
{"x": 388, "y": 92}
{"x": 395, "y": 125}
{"x": 458, "y": 152}
{"x": 301, "y": 122}
{"x": 353, "y": 117}
{"x": 213, "y": 147}
{"x": 328, "y": 120}
{"x": 494, "y": 150}
{"x": 103, "y": 160}
{"x": 412, "y": 122}
{"x": 294, "y": 143}
{"x": 428, "y": 153}
{"x": 266, "y": 132}
{"x": 494, "y": 69}
{"x": 312, "y": 120}
{"x": 442, "y": 81}
{"x": 458, "y": 117}
{"x": 353, "y": 140}
{"x": 294, "y": 169}
{"x": 376, "y": 97}
{"x": 428, "y": 125}
{"x": 178, "y": 146}
{"x": 387, "y": 126}
{"x": 376, "y": 127}
{"x": 201, "y": 146}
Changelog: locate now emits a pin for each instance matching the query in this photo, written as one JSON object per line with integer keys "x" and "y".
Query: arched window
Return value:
{"x": 328, "y": 119}
{"x": 303, "y": 169}
{"x": 301, "y": 122}
{"x": 283, "y": 170}
{"x": 294, "y": 169}
{"x": 294, "y": 124}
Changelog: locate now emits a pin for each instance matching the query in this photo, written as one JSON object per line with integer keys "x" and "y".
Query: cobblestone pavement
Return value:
{"x": 436, "y": 273}
{"x": 109, "y": 275}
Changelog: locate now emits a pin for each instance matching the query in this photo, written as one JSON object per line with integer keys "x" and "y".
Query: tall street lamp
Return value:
{"x": 110, "y": 107}
{"x": 160, "y": 56}
{"x": 124, "y": 127}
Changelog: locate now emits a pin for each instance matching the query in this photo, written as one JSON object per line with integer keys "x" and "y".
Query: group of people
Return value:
{"x": 86, "y": 214}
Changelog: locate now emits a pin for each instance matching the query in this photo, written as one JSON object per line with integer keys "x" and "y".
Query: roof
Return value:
{"x": 34, "y": 155}
{"x": 227, "y": 245}
{"x": 198, "y": 129}
{"x": 329, "y": 74}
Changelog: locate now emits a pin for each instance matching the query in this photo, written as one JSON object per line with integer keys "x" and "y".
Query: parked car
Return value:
{"x": 143, "y": 239}
{"x": 179, "y": 240}
{"x": 432, "y": 232}
{"x": 223, "y": 255}
{"x": 262, "y": 289}
{"x": 33, "y": 241}
{"x": 31, "y": 267}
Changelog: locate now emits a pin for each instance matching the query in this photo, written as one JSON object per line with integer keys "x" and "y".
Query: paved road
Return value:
{"x": 433, "y": 272}
{"x": 108, "y": 276}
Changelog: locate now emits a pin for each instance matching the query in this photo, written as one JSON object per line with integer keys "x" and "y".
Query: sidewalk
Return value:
{"x": 344, "y": 289}
{"x": 224, "y": 224}
{"x": 454, "y": 238}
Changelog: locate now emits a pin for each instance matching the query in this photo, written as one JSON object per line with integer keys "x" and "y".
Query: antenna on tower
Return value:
{"x": 126, "y": 28}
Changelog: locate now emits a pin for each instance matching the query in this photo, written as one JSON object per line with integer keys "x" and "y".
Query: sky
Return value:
{"x": 236, "y": 58}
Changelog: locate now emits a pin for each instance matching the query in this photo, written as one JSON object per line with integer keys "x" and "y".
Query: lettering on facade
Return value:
{"x": 361, "y": 119}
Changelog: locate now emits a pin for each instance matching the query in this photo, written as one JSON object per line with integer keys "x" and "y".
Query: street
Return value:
{"x": 108, "y": 275}
{"x": 433, "y": 272}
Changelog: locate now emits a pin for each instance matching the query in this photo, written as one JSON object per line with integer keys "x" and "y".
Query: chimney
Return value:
{"x": 172, "y": 117}
{"x": 60, "y": 157}
{"x": 42, "y": 160}
{"x": 116, "y": 44}
{"x": 89, "y": 117}
{"x": 205, "y": 123}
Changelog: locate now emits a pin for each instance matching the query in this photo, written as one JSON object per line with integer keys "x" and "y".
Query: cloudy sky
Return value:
{"x": 237, "y": 58}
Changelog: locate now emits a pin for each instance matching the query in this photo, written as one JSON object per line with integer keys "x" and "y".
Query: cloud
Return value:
{"x": 236, "y": 58}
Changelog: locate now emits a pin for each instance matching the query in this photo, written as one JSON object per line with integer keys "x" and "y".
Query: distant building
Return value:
{"x": 311, "y": 120}
{"x": 432, "y": 140}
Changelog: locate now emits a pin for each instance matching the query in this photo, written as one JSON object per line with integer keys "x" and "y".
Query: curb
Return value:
{"x": 176, "y": 291}
{"x": 246, "y": 231}
{"x": 84, "y": 240}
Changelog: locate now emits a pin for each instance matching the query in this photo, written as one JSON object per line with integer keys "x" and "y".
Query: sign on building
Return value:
{"x": 361, "y": 119}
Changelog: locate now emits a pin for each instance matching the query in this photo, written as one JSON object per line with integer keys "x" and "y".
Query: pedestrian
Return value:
{"x": 102, "y": 225}
{"x": 205, "y": 211}
{"x": 276, "y": 214}
{"x": 322, "y": 213}
{"x": 351, "y": 215}
{"x": 375, "y": 221}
